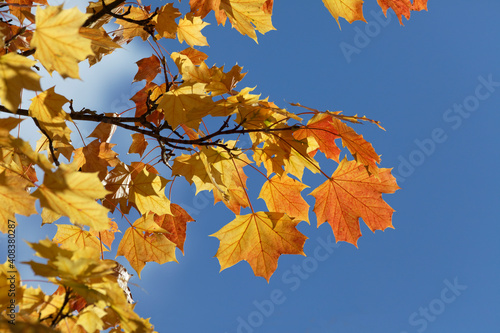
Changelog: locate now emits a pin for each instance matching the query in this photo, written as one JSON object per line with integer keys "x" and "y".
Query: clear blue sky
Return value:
{"x": 427, "y": 82}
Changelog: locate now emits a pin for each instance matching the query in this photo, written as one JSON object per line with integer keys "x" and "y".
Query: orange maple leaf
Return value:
{"x": 197, "y": 57}
{"x": 140, "y": 100}
{"x": 259, "y": 238}
{"x": 148, "y": 69}
{"x": 203, "y": 7}
{"x": 321, "y": 129}
{"x": 139, "y": 144}
{"x": 352, "y": 193}
{"x": 282, "y": 194}
{"x": 402, "y": 7}
{"x": 175, "y": 225}
{"x": 96, "y": 156}
{"x": 361, "y": 150}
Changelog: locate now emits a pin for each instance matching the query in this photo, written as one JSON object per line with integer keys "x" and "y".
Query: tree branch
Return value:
{"x": 154, "y": 132}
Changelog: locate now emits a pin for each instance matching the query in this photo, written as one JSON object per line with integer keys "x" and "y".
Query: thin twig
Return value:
{"x": 51, "y": 145}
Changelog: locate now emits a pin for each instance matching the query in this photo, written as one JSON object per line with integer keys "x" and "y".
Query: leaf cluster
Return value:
{"x": 189, "y": 121}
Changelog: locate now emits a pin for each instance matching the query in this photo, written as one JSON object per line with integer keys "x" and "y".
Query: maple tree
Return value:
{"x": 169, "y": 121}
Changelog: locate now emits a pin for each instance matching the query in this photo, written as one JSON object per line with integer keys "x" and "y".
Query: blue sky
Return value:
{"x": 435, "y": 86}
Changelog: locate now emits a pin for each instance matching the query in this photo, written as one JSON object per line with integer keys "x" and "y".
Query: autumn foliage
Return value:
{"x": 172, "y": 124}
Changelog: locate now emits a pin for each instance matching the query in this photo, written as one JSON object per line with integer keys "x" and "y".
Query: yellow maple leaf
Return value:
{"x": 189, "y": 30}
{"x": 193, "y": 169}
{"x": 282, "y": 194}
{"x": 73, "y": 194}
{"x": 101, "y": 45}
{"x": 15, "y": 75}
{"x": 14, "y": 201}
{"x": 129, "y": 30}
{"x": 165, "y": 21}
{"x": 247, "y": 16}
{"x": 47, "y": 109}
{"x": 179, "y": 104}
{"x": 144, "y": 242}
{"x": 91, "y": 318}
{"x": 59, "y": 46}
{"x": 14, "y": 198}
{"x": 72, "y": 234}
{"x": 351, "y": 10}
{"x": 259, "y": 238}
{"x": 148, "y": 194}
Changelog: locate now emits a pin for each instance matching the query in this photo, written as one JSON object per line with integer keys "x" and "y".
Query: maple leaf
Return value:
{"x": 196, "y": 56}
{"x": 15, "y": 75}
{"x": 190, "y": 72}
{"x": 361, "y": 150}
{"x": 248, "y": 16}
{"x": 73, "y": 194}
{"x": 148, "y": 69}
{"x": 178, "y": 104}
{"x": 419, "y": 5}
{"x": 351, "y": 193}
{"x": 351, "y": 10}
{"x": 282, "y": 194}
{"x": 91, "y": 318}
{"x": 22, "y": 8}
{"x": 74, "y": 235}
{"x": 321, "y": 130}
{"x": 227, "y": 176}
{"x": 59, "y": 148}
{"x": 145, "y": 242}
{"x": 117, "y": 182}
{"x": 194, "y": 170}
{"x": 107, "y": 236}
{"x": 15, "y": 200}
{"x": 104, "y": 131}
{"x": 259, "y": 238}
{"x": 147, "y": 193}
{"x": 97, "y": 6}
{"x": 402, "y": 7}
{"x": 130, "y": 30}
{"x": 189, "y": 30}
{"x": 165, "y": 21}
{"x": 46, "y": 107}
{"x": 96, "y": 156}
{"x": 203, "y": 7}
{"x": 59, "y": 45}
{"x": 141, "y": 97}
{"x": 139, "y": 144}
{"x": 101, "y": 45}
{"x": 175, "y": 225}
